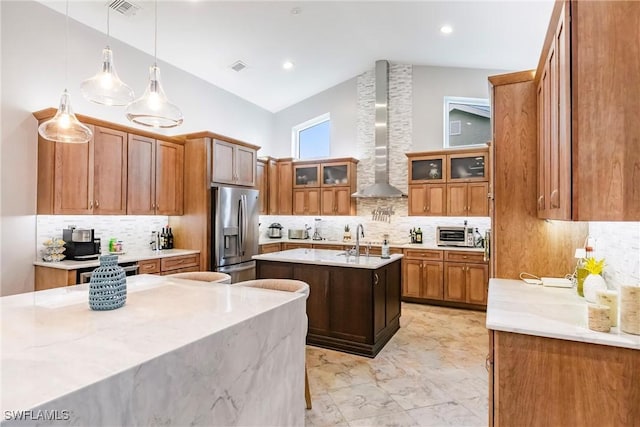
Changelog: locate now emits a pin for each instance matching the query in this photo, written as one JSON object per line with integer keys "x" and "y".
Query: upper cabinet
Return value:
{"x": 155, "y": 184}
{"x": 117, "y": 172}
{"x": 306, "y": 175}
{"x": 588, "y": 86}
{"x": 449, "y": 183}
{"x": 233, "y": 163}
{"x": 77, "y": 179}
{"x": 262, "y": 184}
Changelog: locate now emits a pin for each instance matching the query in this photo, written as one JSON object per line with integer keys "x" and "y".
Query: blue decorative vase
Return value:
{"x": 108, "y": 285}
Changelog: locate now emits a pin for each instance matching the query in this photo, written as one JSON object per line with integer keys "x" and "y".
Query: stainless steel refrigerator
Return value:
{"x": 234, "y": 240}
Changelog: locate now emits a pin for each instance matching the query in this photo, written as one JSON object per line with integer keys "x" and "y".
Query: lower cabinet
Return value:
{"x": 356, "y": 310}
{"x": 288, "y": 245}
{"x": 268, "y": 248}
{"x": 538, "y": 381}
{"x": 456, "y": 278}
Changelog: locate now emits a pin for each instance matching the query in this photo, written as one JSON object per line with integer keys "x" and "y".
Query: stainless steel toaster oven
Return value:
{"x": 455, "y": 236}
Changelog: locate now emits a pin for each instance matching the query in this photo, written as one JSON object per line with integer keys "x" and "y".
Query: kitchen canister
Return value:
{"x": 108, "y": 285}
{"x": 630, "y": 309}
{"x": 599, "y": 317}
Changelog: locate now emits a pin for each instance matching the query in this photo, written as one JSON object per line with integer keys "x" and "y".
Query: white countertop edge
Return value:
{"x": 417, "y": 246}
{"x": 328, "y": 258}
{"x": 132, "y": 257}
{"x": 515, "y": 311}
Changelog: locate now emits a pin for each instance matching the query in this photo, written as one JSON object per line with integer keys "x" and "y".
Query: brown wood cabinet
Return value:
{"x": 337, "y": 181}
{"x": 466, "y": 278}
{"x": 449, "y": 183}
{"x": 306, "y": 201}
{"x": 349, "y": 309}
{"x": 282, "y": 182}
{"x": 337, "y": 201}
{"x": 262, "y": 185}
{"x": 422, "y": 274}
{"x": 233, "y": 163}
{"x": 428, "y": 199}
{"x": 306, "y": 174}
{"x": 587, "y": 95}
{"x": 155, "y": 177}
{"x": 80, "y": 179}
{"x": 289, "y": 245}
{"x": 267, "y": 248}
{"x": 577, "y": 383}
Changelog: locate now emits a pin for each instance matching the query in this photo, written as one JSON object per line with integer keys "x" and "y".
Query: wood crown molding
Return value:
{"x": 212, "y": 135}
{"x": 512, "y": 78}
{"x": 449, "y": 151}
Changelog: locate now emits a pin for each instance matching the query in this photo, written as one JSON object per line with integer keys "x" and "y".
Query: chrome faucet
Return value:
{"x": 359, "y": 233}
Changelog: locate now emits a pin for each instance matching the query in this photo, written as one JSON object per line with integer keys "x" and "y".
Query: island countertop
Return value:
{"x": 515, "y": 306}
{"x": 327, "y": 257}
{"x": 54, "y": 345}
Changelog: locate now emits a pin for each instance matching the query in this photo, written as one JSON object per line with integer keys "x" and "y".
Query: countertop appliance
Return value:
{"x": 80, "y": 244}
{"x": 234, "y": 231}
{"x": 298, "y": 233}
{"x": 455, "y": 236}
{"x": 275, "y": 231}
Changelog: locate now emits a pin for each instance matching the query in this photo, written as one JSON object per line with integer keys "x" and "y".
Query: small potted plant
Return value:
{"x": 594, "y": 281}
{"x": 347, "y": 234}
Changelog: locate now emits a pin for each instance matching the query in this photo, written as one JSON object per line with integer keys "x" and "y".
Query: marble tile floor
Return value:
{"x": 431, "y": 373}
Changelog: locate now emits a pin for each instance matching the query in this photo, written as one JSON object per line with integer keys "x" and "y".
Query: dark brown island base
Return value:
{"x": 354, "y": 302}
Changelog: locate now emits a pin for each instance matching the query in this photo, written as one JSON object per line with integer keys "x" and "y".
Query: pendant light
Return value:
{"x": 153, "y": 108}
{"x": 64, "y": 126}
{"x": 106, "y": 87}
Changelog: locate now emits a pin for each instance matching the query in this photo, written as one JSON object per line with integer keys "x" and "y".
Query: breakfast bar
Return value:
{"x": 354, "y": 301}
{"x": 179, "y": 352}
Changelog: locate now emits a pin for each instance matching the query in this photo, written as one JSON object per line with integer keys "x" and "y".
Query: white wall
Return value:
{"x": 430, "y": 86}
{"x": 32, "y": 77}
{"x": 339, "y": 101}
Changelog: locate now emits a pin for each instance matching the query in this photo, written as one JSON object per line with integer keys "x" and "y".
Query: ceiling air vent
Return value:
{"x": 124, "y": 7}
{"x": 238, "y": 66}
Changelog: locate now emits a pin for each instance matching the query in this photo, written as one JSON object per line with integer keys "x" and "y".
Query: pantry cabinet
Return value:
{"x": 449, "y": 183}
{"x": 588, "y": 164}
{"x": 155, "y": 171}
{"x": 233, "y": 163}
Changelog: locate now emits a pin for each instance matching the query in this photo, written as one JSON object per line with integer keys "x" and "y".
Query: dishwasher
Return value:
{"x": 83, "y": 275}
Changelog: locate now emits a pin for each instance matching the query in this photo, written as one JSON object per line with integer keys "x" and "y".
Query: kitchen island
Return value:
{"x": 547, "y": 368}
{"x": 179, "y": 352}
{"x": 354, "y": 302}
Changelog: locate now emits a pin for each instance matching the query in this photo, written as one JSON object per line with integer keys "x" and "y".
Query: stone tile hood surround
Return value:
{"x": 381, "y": 187}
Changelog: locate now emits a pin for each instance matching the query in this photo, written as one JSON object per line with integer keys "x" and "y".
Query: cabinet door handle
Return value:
{"x": 97, "y": 204}
{"x": 375, "y": 278}
{"x": 487, "y": 362}
{"x": 90, "y": 204}
{"x": 424, "y": 208}
{"x": 428, "y": 208}
{"x": 540, "y": 202}
{"x": 554, "y": 199}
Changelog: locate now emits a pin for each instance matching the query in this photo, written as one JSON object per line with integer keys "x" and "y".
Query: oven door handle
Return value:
{"x": 135, "y": 268}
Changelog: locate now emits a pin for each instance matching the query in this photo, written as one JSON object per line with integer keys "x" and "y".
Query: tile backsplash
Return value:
{"x": 332, "y": 227}
{"x": 133, "y": 230}
{"x": 619, "y": 244}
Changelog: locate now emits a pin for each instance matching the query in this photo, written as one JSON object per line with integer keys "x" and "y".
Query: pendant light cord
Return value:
{"x": 155, "y": 34}
{"x": 66, "y": 47}
{"x": 108, "y": 32}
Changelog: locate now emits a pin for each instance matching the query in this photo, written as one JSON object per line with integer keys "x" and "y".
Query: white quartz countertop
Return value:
{"x": 327, "y": 257}
{"x": 515, "y": 306}
{"x": 54, "y": 344}
{"x": 363, "y": 243}
{"x": 127, "y": 257}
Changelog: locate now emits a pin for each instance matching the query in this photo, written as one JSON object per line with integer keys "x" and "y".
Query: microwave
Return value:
{"x": 455, "y": 236}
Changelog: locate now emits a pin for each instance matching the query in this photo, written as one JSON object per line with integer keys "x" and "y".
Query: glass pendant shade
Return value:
{"x": 106, "y": 87}
{"x": 153, "y": 108}
{"x": 64, "y": 126}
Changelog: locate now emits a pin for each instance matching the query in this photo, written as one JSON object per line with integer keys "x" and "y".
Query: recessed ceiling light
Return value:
{"x": 296, "y": 11}
{"x": 446, "y": 29}
{"x": 287, "y": 65}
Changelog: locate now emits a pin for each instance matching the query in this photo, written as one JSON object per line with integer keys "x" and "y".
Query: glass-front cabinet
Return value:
{"x": 306, "y": 175}
{"x": 336, "y": 174}
{"x": 467, "y": 167}
{"x": 427, "y": 169}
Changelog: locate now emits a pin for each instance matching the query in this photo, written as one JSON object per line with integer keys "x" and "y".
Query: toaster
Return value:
{"x": 298, "y": 233}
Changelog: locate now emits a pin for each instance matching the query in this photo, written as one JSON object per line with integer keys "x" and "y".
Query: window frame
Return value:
{"x": 295, "y": 133}
{"x": 485, "y": 102}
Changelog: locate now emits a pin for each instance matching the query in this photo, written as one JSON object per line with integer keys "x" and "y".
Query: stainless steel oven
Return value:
{"x": 83, "y": 275}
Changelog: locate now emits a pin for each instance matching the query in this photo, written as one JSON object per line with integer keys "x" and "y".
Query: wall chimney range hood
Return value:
{"x": 381, "y": 186}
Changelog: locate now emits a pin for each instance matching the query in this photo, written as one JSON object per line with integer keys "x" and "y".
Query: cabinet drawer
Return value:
{"x": 149, "y": 266}
{"x": 328, "y": 247}
{"x": 180, "y": 270}
{"x": 459, "y": 256}
{"x": 179, "y": 262}
{"x": 423, "y": 254}
{"x": 268, "y": 248}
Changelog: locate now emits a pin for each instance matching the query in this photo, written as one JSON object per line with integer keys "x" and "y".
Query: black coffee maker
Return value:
{"x": 80, "y": 244}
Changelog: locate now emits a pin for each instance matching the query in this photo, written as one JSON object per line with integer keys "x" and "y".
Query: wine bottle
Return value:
{"x": 170, "y": 239}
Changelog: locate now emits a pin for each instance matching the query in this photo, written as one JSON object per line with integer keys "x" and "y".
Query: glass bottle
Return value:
{"x": 385, "y": 247}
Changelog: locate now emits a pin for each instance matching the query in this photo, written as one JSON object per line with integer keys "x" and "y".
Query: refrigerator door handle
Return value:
{"x": 245, "y": 223}
{"x": 240, "y": 226}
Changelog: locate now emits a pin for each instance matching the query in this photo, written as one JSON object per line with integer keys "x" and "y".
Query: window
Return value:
{"x": 311, "y": 139}
{"x": 467, "y": 121}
